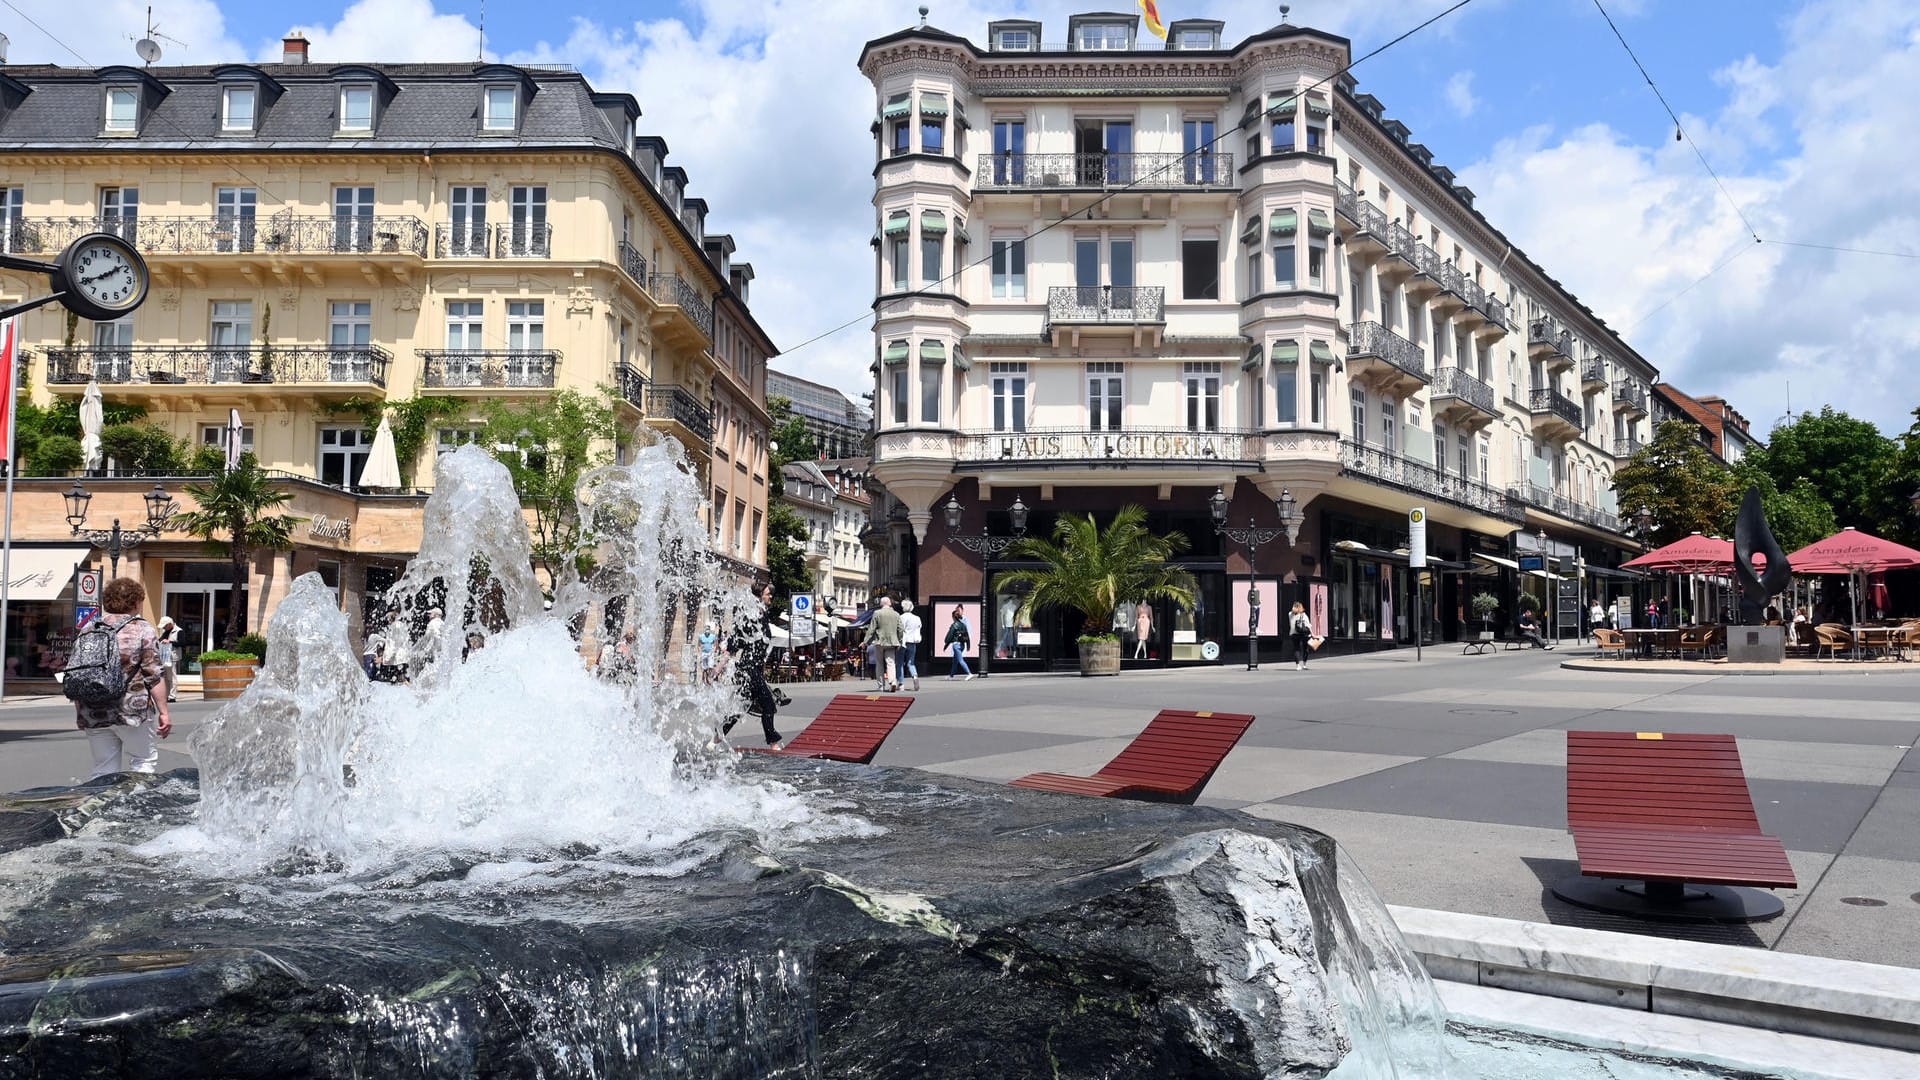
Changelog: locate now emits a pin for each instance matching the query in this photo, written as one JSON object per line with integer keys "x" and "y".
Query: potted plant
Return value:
{"x": 226, "y": 673}
{"x": 1093, "y": 570}
{"x": 235, "y": 513}
{"x": 1483, "y": 606}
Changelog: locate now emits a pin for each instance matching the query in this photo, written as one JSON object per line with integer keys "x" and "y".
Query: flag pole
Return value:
{"x": 11, "y": 356}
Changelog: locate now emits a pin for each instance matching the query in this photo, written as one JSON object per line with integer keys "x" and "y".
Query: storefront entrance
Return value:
{"x": 1155, "y": 634}
{"x": 197, "y": 596}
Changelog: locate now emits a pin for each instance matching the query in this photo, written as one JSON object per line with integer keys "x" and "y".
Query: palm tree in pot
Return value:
{"x": 232, "y": 511}
{"x": 1093, "y": 571}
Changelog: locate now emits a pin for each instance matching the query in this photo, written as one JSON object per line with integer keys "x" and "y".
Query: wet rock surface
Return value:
{"x": 989, "y": 932}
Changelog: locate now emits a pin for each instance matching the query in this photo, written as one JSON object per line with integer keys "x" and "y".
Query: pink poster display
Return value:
{"x": 1317, "y": 600}
{"x": 1269, "y": 608}
{"x": 934, "y": 628}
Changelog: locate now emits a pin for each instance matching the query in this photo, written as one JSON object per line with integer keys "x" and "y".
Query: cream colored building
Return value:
{"x": 1111, "y": 271}
{"x": 321, "y": 232}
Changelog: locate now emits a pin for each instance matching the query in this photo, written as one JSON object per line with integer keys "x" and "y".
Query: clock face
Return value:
{"x": 105, "y": 277}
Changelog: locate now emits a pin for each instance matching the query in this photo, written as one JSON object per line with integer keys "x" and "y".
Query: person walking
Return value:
{"x": 110, "y": 676}
{"x": 883, "y": 633}
{"x": 168, "y": 631}
{"x": 752, "y": 637}
{"x": 1300, "y": 628}
{"x": 709, "y": 643}
{"x": 959, "y": 639}
{"x": 910, "y": 633}
{"x": 429, "y": 646}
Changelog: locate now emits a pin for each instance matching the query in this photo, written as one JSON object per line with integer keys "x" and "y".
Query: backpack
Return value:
{"x": 94, "y": 676}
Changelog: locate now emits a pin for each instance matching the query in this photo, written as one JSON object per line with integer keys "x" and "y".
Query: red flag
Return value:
{"x": 8, "y": 379}
{"x": 1152, "y": 11}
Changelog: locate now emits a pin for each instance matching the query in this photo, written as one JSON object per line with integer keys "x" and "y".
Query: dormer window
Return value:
{"x": 1014, "y": 41}
{"x": 1102, "y": 37}
{"x": 237, "y": 108}
{"x": 123, "y": 109}
{"x": 356, "y": 107}
{"x": 502, "y": 111}
{"x": 1197, "y": 39}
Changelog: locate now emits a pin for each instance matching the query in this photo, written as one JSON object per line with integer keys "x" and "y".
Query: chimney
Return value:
{"x": 293, "y": 49}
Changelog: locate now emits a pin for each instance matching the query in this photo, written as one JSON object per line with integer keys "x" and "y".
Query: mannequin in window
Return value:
{"x": 1142, "y": 630}
{"x": 1009, "y": 626}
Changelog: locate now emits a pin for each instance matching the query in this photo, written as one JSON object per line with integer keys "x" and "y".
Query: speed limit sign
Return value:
{"x": 86, "y": 588}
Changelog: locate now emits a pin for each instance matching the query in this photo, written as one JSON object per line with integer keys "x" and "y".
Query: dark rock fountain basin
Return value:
{"x": 985, "y": 932}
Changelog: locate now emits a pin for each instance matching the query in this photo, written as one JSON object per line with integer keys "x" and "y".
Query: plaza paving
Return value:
{"x": 1445, "y": 779}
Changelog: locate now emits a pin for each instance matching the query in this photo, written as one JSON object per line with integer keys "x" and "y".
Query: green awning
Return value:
{"x": 1253, "y": 359}
{"x": 1252, "y": 231}
{"x": 1320, "y": 351}
{"x": 960, "y": 361}
{"x": 1284, "y": 222}
{"x": 1281, "y": 103}
{"x": 896, "y": 353}
{"x": 933, "y": 104}
{"x": 876, "y": 239}
{"x": 933, "y": 352}
{"x": 1286, "y": 352}
{"x": 1317, "y": 107}
{"x": 899, "y": 222}
{"x": 932, "y": 222}
{"x": 897, "y": 106}
{"x": 1253, "y": 109}
{"x": 1319, "y": 222}
{"x": 960, "y": 231}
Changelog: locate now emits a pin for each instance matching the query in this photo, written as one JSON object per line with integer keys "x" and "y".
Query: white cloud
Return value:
{"x": 100, "y": 33}
{"x": 1460, "y": 93}
{"x": 1628, "y": 227}
{"x": 387, "y": 30}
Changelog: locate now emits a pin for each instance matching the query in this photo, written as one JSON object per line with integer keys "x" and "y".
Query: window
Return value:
{"x": 899, "y": 393}
{"x": 528, "y": 235}
{"x": 237, "y": 107}
{"x": 1316, "y": 266}
{"x": 899, "y": 253}
{"x": 123, "y": 109}
{"x": 1200, "y": 268}
{"x": 1284, "y": 263}
{"x": 120, "y": 211}
{"x": 1439, "y": 342}
{"x": 1282, "y": 131}
{"x": 1253, "y": 274}
{"x": 1356, "y": 293}
{"x": 933, "y": 135}
{"x": 353, "y": 219}
{"x": 932, "y": 374}
{"x": 902, "y": 132}
{"x": 1286, "y": 408}
{"x": 1203, "y": 396}
{"x": 467, "y": 206}
{"x": 1106, "y": 397}
{"x": 447, "y": 440}
{"x": 1253, "y": 146}
{"x": 1256, "y": 392}
{"x": 1441, "y": 444}
{"x": 233, "y": 214}
{"x": 1197, "y": 39}
{"x": 526, "y": 333}
{"x": 343, "y": 454}
{"x": 1389, "y": 426}
{"x": 13, "y": 204}
{"x": 1010, "y": 151}
{"x": 930, "y": 247}
{"x": 1101, "y": 37}
{"x": 216, "y": 435}
{"x": 1010, "y": 268}
{"x": 1009, "y": 396}
{"x": 1466, "y": 457}
{"x": 464, "y": 320}
{"x": 1014, "y": 41}
{"x": 356, "y": 108}
{"x": 1359, "y": 404}
{"x": 230, "y": 334}
{"x": 502, "y": 106}
{"x": 1197, "y": 140}
{"x": 349, "y": 340}
{"x": 1317, "y": 395}
{"x": 1316, "y": 139}
{"x": 112, "y": 345}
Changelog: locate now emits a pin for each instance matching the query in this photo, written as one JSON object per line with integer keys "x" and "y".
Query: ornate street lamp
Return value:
{"x": 986, "y": 545}
{"x": 115, "y": 541}
{"x": 1252, "y": 537}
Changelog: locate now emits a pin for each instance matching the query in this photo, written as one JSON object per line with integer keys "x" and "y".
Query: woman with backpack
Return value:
{"x": 111, "y": 676}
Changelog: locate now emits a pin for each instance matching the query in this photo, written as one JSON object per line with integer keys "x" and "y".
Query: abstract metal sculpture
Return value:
{"x": 1750, "y": 534}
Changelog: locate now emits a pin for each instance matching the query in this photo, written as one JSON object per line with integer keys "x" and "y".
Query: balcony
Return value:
{"x": 1547, "y": 341}
{"x": 1099, "y": 172}
{"x": 1499, "y": 320}
{"x": 1564, "y": 506}
{"x": 1593, "y": 374}
{"x": 1420, "y": 478}
{"x": 1462, "y": 399}
{"x": 490, "y": 369}
{"x": 1555, "y": 415}
{"x": 1124, "y": 307}
{"x": 1627, "y": 447}
{"x": 462, "y": 242}
{"x": 1400, "y": 259}
{"x": 1362, "y": 224}
{"x": 685, "y": 316}
{"x": 670, "y": 406}
{"x": 523, "y": 240}
{"x": 355, "y": 367}
{"x": 1384, "y": 360}
{"x": 1453, "y": 290}
{"x": 631, "y": 386}
{"x": 229, "y": 234}
{"x": 634, "y": 263}
{"x": 1630, "y": 398}
{"x": 1426, "y": 266}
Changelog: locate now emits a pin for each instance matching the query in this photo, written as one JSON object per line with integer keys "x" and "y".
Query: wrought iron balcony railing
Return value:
{"x": 523, "y": 240}
{"x": 1421, "y": 478}
{"x": 1497, "y": 312}
{"x": 676, "y": 290}
{"x": 1372, "y": 220}
{"x": 1426, "y": 260}
{"x": 1455, "y": 382}
{"x": 467, "y": 240}
{"x": 1544, "y": 332}
{"x": 1115, "y": 304}
{"x": 1346, "y": 201}
{"x": 229, "y": 234}
{"x": 1452, "y": 280}
{"x": 1372, "y": 339}
{"x": 1627, "y": 447}
{"x": 209, "y": 364}
{"x": 490, "y": 369}
{"x": 1472, "y": 293}
{"x": 634, "y": 263}
{"x": 1593, "y": 370}
{"x": 632, "y": 386}
{"x": 1564, "y": 505}
{"x": 1631, "y": 394}
{"x": 1200, "y": 169}
{"x": 1401, "y": 242}
{"x": 680, "y": 406}
{"x": 1557, "y": 404}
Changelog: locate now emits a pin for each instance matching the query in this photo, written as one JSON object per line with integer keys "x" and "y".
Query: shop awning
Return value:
{"x": 1608, "y": 571}
{"x": 1318, "y": 221}
{"x": 1508, "y": 563}
{"x": 1399, "y": 558}
{"x": 41, "y": 573}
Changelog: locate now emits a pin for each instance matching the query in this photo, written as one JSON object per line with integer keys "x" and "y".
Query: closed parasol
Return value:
{"x": 93, "y": 418}
{"x": 383, "y": 465}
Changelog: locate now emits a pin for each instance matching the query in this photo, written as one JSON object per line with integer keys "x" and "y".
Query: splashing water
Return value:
{"x": 516, "y": 747}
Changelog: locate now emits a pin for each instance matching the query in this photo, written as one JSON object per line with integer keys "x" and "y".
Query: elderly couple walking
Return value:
{"x": 895, "y": 637}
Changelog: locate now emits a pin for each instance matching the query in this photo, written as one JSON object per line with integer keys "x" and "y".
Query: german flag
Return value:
{"x": 1152, "y": 11}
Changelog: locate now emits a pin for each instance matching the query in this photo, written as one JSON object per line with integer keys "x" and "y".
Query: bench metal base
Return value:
{"x": 1671, "y": 901}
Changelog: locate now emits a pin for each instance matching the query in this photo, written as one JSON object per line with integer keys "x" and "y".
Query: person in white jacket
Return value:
{"x": 910, "y": 644}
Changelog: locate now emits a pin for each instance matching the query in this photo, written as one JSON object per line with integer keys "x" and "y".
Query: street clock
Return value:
{"x": 99, "y": 277}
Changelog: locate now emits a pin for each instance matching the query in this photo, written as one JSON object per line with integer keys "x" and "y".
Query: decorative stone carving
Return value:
{"x": 170, "y": 300}
{"x": 406, "y": 299}
{"x": 580, "y": 300}
{"x": 289, "y": 299}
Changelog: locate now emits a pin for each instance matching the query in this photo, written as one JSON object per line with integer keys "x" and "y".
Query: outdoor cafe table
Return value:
{"x": 1647, "y": 642}
{"x": 1889, "y": 639}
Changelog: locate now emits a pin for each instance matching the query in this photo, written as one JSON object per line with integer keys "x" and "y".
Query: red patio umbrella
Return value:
{"x": 1696, "y": 554}
{"x": 1851, "y": 550}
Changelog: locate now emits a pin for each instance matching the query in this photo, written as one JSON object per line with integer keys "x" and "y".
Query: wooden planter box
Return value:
{"x": 225, "y": 679}
{"x": 1100, "y": 657}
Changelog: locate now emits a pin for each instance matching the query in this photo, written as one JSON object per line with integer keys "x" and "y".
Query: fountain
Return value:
{"x": 511, "y": 867}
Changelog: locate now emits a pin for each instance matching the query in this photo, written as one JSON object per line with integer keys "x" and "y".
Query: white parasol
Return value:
{"x": 93, "y": 417}
{"x": 383, "y": 465}
{"x": 235, "y": 434}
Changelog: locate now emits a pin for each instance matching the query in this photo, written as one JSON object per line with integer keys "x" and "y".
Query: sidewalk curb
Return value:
{"x": 1694, "y": 667}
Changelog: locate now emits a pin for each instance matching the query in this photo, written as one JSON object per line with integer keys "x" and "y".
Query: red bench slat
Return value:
{"x": 1170, "y": 761}
{"x": 850, "y": 728}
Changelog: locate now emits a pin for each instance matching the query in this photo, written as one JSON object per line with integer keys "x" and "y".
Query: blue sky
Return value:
{"x": 1803, "y": 106}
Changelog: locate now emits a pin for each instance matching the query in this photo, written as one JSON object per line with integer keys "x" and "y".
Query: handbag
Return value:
{"x": 1315, "y": 642}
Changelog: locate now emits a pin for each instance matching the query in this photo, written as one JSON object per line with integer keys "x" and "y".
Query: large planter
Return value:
{"x": 1100, "y": 657}
{"x": 225, "y": 679}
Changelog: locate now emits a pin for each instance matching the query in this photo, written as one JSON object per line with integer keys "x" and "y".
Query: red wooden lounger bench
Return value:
{"x": 1670, "y": 811}
{"x": 1171, "y": 761}
{"x": 850, "y": 728}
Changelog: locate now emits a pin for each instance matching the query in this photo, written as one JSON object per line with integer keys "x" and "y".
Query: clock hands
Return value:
{"x": 104, "y": 274}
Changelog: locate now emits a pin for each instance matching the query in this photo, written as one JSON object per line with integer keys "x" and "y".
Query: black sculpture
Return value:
{"x": 1750, "y": 534}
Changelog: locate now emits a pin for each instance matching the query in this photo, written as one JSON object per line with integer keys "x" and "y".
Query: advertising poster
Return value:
{"x": 1270, "y": 613}
{"x": 1317, "y": 602}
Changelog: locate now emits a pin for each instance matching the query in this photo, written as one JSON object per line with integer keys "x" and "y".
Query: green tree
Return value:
{"x": 47, "y": 439}
{"x": 1093, "y": 570}
{"x": 1905, "y": 526}
{"x": 1848, "y": 461}
{"x": 233, "y": 514}
{"x": 547, "y": 445}
{"x": 786, "y": 531}
{"x": 145, "y": 448}
{"x": 1678, "y": 479}
{"x": 410, "y": 419}
{"x": 1797, "y": 516}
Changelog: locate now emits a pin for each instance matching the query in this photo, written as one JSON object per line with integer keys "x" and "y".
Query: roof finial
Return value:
{"x": 1284, "y": 9}
{"x": 923, "y": 16}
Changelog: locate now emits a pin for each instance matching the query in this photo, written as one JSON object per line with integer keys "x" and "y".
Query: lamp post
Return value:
{"x": 986, "y": 545}
{"x": 1252, "y": 538}
{"x": 114, "y": 541}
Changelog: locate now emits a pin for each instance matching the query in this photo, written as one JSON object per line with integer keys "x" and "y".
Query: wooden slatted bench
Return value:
{"x": 1668, "y": 811}
{"x": 850, "y": 728}
{"x": 1171, "y": 761}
